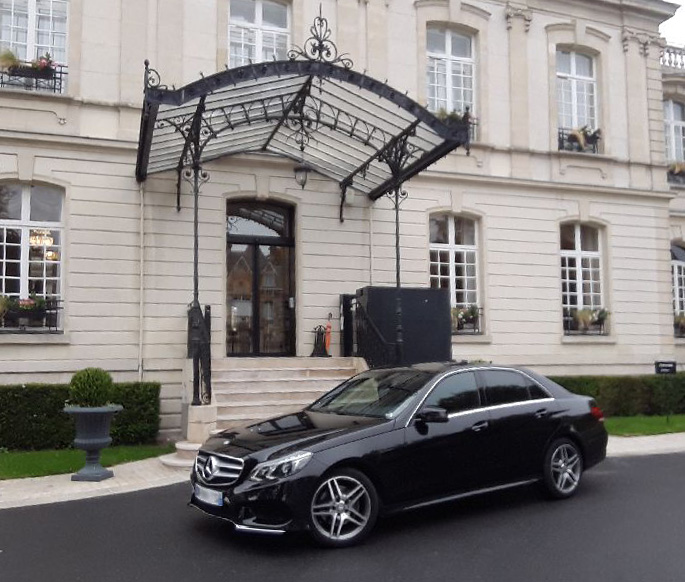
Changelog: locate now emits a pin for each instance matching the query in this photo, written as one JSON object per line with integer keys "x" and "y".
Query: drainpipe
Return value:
{"x": 141, "y": 290}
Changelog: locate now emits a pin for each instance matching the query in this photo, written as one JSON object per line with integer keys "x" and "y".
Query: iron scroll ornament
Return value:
{"x": 319, "y": 46}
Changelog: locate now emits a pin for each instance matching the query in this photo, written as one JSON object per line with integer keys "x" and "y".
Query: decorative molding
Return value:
{"x": 510, "y": 12}
{"x": 603, "y": 36}
{"x": 643, "y": 39}
{"x": 476, "y": 11}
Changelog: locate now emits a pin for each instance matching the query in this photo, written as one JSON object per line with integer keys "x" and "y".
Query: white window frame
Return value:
{"x": 578, "y": 254}
{"x": 451, "y": 247}
{"x": 25, "y": 225}
{"x": 31, "y": 45}
{"x": 576, "y": 81}
{"x": 675, "y": 133}
{"x": 452, "y": 64}
{"x": 678, "y": 270}
{"x": 259, "y": 29}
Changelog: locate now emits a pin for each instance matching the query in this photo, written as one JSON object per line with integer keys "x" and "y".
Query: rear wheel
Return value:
{"x": 563, "y": 469}
{"x": 343, "y": 509}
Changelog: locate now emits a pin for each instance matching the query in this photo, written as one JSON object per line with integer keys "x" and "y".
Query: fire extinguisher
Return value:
{"x": 328, "y": 334}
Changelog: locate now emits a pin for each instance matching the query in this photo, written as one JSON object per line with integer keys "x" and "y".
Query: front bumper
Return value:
{"x": 271, "y": 508}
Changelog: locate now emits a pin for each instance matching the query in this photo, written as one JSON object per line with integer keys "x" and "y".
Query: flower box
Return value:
{"x": 30, "y": 72}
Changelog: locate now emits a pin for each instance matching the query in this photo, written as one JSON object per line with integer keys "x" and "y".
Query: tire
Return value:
{"x": 343, "y": 509}
{"x": 563, "y": 469}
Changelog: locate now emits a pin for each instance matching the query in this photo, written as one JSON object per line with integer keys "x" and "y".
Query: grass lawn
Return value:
{"x": 19, "y": 464}
{"x": 644, "y": 425}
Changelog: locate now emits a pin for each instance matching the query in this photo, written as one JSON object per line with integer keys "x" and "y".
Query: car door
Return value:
{"x": 448, "y": 457}
{"x": 522, "y": 419}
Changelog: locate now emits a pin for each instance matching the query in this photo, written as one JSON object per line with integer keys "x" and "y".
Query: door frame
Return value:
{"x": 256, "y": 242}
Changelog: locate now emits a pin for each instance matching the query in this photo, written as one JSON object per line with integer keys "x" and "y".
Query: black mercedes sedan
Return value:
{"x": 393, "y": 439}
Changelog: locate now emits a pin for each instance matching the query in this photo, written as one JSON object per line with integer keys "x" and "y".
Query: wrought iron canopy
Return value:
{"x": 312, "y": 109}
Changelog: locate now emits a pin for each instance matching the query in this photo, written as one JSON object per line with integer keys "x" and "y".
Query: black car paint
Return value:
{"x": 409, "y": 462}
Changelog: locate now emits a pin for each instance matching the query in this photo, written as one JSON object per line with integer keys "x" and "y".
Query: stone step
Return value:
{"x": 266, "y": 363}
{"x": 227, "y": 397}
{"x": 235, "y": 374}
{"x": 274, "y": 385}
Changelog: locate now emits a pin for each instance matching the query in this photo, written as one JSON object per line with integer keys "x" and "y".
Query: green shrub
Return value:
{"x": 91, "y": 387}
{"x": 32, "y": 417}
{"x": 631, "y": 395}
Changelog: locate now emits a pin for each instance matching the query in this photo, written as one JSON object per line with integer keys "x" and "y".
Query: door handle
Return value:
{"x": 483, "y": 424}
{"x": 541, "y": 413}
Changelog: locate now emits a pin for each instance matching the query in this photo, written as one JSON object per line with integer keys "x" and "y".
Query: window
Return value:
{"x": 674, "y": 122}
{"x": 454, "y": 265}
{"x": 576, "y": 90}
{"x": 258, "y": 30}
{"x": 450, "y": 70}
{"x": 31, "y": 28}
{"x": 581, "y": 279}
{"x": 30, "y": 248}
{"x": 456, "y": 393}
{"x": 678, "y": 269}
{"x": 505, "y": 387}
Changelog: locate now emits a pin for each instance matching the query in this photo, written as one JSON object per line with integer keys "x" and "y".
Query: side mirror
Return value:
{"x": 432, "y": 414}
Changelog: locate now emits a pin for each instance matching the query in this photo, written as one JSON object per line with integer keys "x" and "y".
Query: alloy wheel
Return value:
{"x": 566, "y": 466}
{"x": 341, "y": 508}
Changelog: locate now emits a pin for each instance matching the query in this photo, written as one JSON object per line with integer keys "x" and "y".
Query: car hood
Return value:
{"x": 305, "y": 429}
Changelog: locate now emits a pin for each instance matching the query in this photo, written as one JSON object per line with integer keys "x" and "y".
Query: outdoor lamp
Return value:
{"x": 301, "y": 172}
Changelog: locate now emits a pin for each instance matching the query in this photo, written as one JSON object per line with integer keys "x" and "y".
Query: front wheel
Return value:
{"x": 343, "y": 509}
{"x": 563, "y": 469}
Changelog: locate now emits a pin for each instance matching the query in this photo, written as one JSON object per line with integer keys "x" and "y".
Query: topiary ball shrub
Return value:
{"x": 91, "y": 387}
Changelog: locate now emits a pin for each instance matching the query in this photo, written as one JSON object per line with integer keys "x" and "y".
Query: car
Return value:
{"x": 393, "y": 439}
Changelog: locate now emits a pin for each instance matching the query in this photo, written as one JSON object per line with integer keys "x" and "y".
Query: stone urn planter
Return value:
{"x": 89, "y": 404}
{"x": 92, "y": 435}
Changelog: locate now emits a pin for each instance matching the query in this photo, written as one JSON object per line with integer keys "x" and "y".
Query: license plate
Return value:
{"x": 209, "y": 496}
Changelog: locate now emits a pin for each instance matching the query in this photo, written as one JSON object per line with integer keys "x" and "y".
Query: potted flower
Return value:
{"x": 90, "y": 391}
{"x": 26, "y": 311}
{"x": 8, "y": 60}
{"x": 679, "y": 324}
{"x": 465, "y": 316}
{"x": 42, "y": 67}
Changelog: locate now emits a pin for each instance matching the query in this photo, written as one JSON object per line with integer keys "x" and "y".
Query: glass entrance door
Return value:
{"x": 260, "y": 310}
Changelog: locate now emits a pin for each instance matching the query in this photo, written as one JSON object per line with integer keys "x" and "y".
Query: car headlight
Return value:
{"x": 279, "y": 468}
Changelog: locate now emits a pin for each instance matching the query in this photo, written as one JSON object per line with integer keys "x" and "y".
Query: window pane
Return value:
{"x": 589, "y": 238}
{"x": 461, "y": 46}
{"x": 274, "y": 14}
{"x": 568, "y": 237}
{"x": 46, "y": 204}
{"x": 10, "y": 202}
{"x": 439, "y": 230}
{"x": 242, "y": 11}
{"x": 435, "y": 40}
{"x": 564, "y": 62}
{"x": 503, "y": 387}
{"x": 455, "y": 393}
{"x": 584, "y": 66}
{"x": 464, "y": 231}
{"x": 678, "y": 111}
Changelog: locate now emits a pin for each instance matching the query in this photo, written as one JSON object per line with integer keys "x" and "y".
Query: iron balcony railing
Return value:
{"x": 676, "y": 173}
{"x": 467, "y": 320}
{"x": 43, "y": 319}
{"x": 586, "y": 321}
{"x": 673, "y": 57}
{"x": 26, "y": 77}
{"x": 579, "y": 140}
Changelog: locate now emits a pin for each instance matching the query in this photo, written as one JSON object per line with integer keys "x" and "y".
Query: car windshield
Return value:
{"x": 377, "y": 393}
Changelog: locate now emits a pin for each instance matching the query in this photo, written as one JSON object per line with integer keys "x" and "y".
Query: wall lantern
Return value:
{"x": 301, "y": 173}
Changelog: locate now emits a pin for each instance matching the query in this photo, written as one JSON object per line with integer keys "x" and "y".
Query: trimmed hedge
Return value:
{"x": 31, "y": 416}
{"x": 631, "y": 395}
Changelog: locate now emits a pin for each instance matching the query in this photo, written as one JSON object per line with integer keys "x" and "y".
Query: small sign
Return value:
{"x": 664, "y": 367}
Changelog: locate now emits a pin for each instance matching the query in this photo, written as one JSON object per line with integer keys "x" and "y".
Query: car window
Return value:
{"x": 505, "y": 387}
{"x": 455, "y": 393}
{"x": 536, "y": 391}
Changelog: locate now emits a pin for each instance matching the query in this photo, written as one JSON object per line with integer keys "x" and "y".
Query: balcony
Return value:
{"x": 586, "y": 321}
{"x": 579, "y": 140}
{"x": 26, "y": 77}
{"x": 673, "y": 59}
{"x": 467, "y": 320}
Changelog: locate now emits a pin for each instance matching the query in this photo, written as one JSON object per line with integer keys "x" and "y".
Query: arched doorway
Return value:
{"x": 260, "y": 289}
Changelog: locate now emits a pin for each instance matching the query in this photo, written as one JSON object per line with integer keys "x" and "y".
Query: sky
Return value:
{"x": 674, "y": 29}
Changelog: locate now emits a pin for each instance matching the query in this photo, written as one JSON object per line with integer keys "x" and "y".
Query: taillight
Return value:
{"x": 597, "y": 413}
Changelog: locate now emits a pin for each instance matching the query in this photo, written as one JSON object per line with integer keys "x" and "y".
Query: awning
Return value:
{"x": 345, "y": 125}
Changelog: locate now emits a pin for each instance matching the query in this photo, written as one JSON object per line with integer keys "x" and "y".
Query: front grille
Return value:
{"x": 215, "y": 469}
